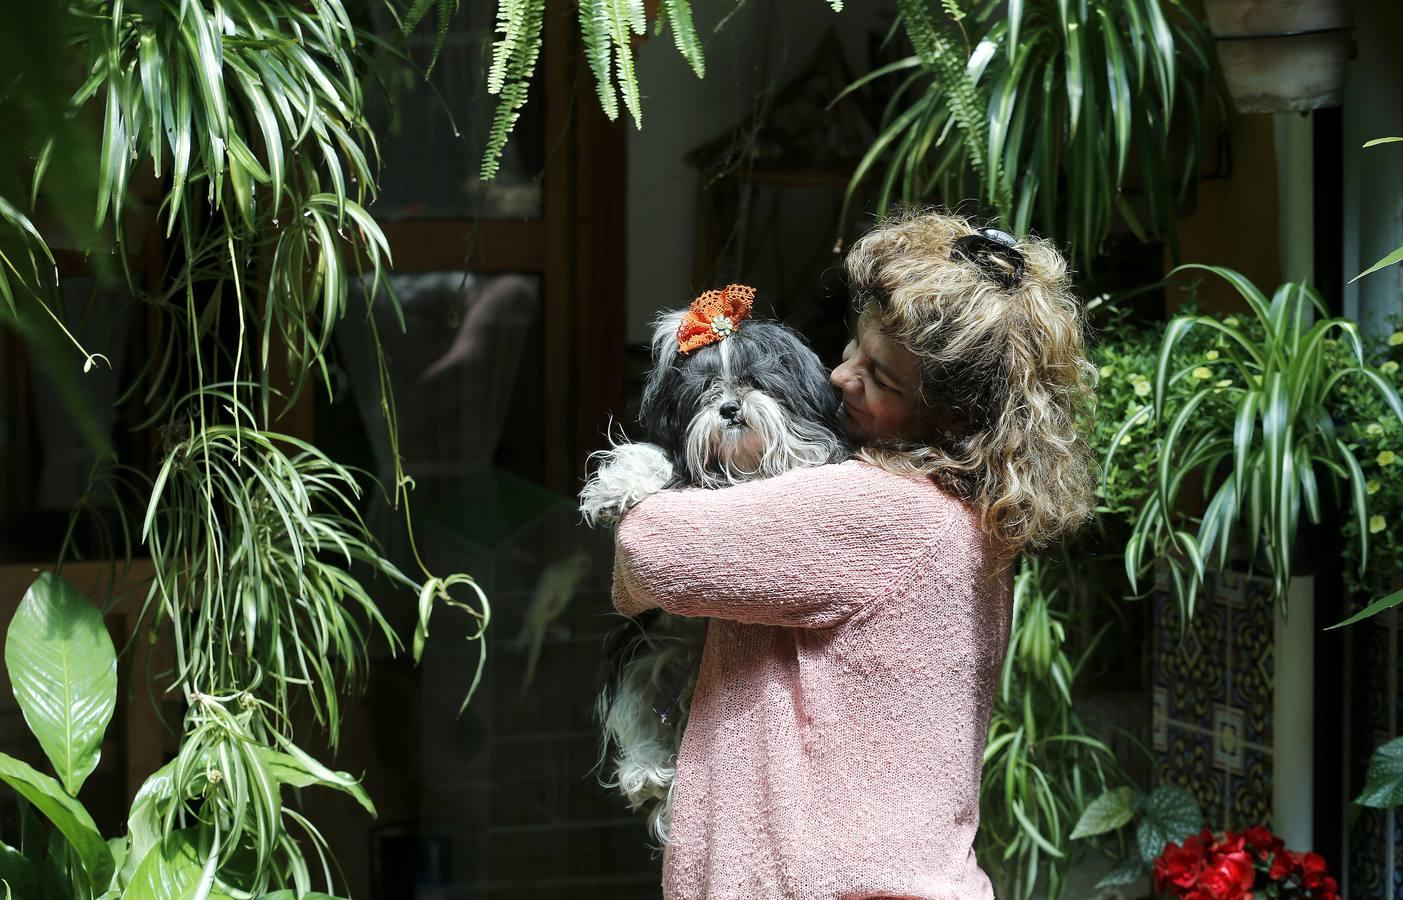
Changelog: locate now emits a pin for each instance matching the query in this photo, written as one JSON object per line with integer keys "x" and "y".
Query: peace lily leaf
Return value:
{"x": 67, "y": 815}
{"x": 1106, "y": 813}
{"x": 1383, "y": 782}
{"x": 64, "y": 671}
{"x": 18, "y": 873}
{"x": 1170, "y": 814}
{"x": 176, "y": 868}
{"x": 147, "y": 813}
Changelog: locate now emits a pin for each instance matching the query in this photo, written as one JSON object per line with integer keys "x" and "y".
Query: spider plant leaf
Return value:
{"x": 1136, "y": 416}
{"x": 1136, "y": 30}
{"x": 1216, "y": 529}
{"x": 1309, "y": 488}
{"x": 1118, "y": 91}
{"x": 1391, "y": 259}
{"x": 152, "y": 63}
{"x": 1014, "y": 17}
{"x": 1244, "y": 428}
{"x": 114, "y": 154}
{"x": 1162, "y": 54}
{"x": 1240, "y": 283}
{"x": 1373, "y": 609}
{"x": 302, "y": 770}
{"x": 1075, "y": 69}
{"x": 63, "y": 669}
{"x": 181, "y": 136}
{"x": 1386, "y": 391}
{"x": 272, "y": 135}
{"x": 66, "y": 814}
{"x": 1173, "y": 334}
{"x": 1168, "y": 474}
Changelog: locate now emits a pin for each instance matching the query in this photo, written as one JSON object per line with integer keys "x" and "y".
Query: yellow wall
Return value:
{"x": 1235, "y": 223}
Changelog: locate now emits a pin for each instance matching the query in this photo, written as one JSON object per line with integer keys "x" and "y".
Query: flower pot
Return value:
{"x": 1282, "y": 55}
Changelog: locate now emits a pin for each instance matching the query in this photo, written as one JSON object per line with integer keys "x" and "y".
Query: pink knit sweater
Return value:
{"x": 835, "y": 742}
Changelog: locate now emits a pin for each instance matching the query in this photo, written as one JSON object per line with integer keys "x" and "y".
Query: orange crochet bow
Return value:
{"x": 714, "y": 315}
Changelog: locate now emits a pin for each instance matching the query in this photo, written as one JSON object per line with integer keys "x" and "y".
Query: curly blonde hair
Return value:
{"x": 1005, "y": 382}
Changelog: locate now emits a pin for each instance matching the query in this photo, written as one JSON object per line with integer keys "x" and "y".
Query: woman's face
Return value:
{"x": 878, "y": 378}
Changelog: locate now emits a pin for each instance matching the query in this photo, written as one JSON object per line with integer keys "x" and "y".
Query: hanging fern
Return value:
{"x": 520, "y": 24}
{"x": 607, "y": 30}
{"x": 416, "y": 13}
{"x": 599, "y": 52}
{"x": 946, "y": 56}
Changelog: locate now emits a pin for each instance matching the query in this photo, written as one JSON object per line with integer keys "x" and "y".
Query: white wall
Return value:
{"x": 760, "y": 45}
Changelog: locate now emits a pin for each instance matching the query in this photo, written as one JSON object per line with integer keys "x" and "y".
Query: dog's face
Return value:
{"x": 753, "y": 405}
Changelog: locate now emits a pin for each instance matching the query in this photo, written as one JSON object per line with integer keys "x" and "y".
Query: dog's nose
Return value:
{"x": 730, "y": 411}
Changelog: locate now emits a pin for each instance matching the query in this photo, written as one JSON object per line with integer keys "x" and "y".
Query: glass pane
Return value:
{"x": 46, "y": 464}
{"x": 432, "y": 135}
{"x": 499, "y": 801}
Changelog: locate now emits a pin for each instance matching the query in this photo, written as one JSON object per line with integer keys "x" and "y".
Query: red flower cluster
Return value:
{"x": 1240, "y": 863}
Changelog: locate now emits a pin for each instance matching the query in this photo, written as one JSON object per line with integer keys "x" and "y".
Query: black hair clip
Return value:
{"x": 996, "y": 254}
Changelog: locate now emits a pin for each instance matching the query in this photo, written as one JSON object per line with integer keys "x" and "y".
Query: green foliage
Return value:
{"x": 1061, "y": 111}
{"x": 64, "y": 673}
{"x": 211, "y": 820}
{"x": 250, "y": 116}
{"x": 1397, "y": 255}
{"x": 1041, "y": 765}
{"x": 1106, "y": 813}
{"x": 607, "y": 29}
{"x": 1383, "y": 782}
{"x": 1372, "y": 432}
{"x": 1167, "y": 815}
{"x": 1281, "y": 379}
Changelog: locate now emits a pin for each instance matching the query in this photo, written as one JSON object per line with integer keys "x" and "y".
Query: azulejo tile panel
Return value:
{"x": 1212, "y": 699}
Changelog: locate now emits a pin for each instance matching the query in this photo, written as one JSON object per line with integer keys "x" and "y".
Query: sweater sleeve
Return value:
{"x": 805, "y": 549}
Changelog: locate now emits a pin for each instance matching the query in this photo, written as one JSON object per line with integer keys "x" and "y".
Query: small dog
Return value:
{"x": 722, "y": 404}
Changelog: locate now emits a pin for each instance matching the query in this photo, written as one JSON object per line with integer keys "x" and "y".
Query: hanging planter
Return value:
{"x": 1281, "y": 55}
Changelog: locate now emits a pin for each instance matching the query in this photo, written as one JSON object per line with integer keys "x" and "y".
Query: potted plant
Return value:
{"x": 1255, "y": 432}
{"x": 1281, "y": 55}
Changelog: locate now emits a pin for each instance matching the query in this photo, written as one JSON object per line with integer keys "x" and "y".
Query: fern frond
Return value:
{"x": 684, "y": 33}
{"x": 598, "y": 43}
{"x": 836, "y": 4}
{"x": 952, "y": 9}
{"x": 511, "y": 16}
{"x": 414, "y": 15}
{"x": 620, "y": 28}
{"x": 446, "y": 9}
{"x": 516, "y": 82}
{"x": 637, "y": 17}
{"x": 940, "y": 52}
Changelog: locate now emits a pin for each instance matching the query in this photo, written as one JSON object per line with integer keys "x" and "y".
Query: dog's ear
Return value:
{"x": 665, "y": 353}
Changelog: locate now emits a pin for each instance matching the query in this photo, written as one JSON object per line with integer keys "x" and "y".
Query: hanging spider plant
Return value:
{"x": 1042, "y": 767}
{"x": 1055, "y": 115}
{"x": 249, "y": 113}
{"x": 1258, "y": 431}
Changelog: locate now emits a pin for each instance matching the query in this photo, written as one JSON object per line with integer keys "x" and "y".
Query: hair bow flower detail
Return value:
{"x": 714, "y": 316}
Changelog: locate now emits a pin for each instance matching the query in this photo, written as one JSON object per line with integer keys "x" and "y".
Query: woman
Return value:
{"x": 860, "y": 611}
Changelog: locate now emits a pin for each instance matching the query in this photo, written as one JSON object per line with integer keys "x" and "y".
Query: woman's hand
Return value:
{"x": 626, "y": 474}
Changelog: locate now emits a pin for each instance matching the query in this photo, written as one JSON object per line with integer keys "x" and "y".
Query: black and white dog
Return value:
{"x": 744, "y": 402}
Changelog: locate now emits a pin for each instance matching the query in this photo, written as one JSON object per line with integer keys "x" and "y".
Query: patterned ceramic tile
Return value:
{"x": 1227, "y": 738}
{"x": 1189, "y": 764}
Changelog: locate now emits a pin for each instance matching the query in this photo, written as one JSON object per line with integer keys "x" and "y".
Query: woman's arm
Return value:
{"x": 804, "y": 549}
